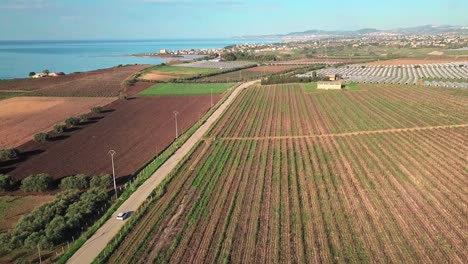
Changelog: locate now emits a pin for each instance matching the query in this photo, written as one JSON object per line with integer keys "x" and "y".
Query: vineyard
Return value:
{"x": 376, "y": 175}
{"x": 249, "y": 74}
{"x": 402, "y": 74}
{"x": 285, "y": 110}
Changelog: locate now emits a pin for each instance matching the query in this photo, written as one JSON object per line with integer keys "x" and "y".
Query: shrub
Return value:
{"x": 9, "y": 154}
{"x": 101, "y": 181}
{"x": 72, "y": 121}
{"x": 41, "y": 137}
{"x": 59, "y": 128}
{"x": 79, "y": 182}
{"x": 83, "y": 118}
{"x": 96, "y": 109}
{"x": 36, "y": 183}
{"x": 6, "y": 182}
{"x": 31, "y": 74}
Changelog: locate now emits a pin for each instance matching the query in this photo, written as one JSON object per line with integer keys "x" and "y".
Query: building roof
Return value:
{"x": 330, "y": 82}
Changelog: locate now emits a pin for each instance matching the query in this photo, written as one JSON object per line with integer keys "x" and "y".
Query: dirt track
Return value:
{"x": 370, "y": 132}
{"x": 91, "y": 249}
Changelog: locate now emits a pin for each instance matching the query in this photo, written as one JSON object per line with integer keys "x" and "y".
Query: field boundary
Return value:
{"x": 356, "y": 133}
{"x": 88, "y": 250}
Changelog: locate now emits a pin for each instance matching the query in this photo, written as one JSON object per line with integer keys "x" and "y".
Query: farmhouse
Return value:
{"x": 334, "y": 85}
{"x": 333, "y": 77}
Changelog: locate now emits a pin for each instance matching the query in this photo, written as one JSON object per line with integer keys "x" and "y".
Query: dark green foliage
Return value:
{"x": 41, "y": 137}
{"x": 96, "y": 109}
{"x": 79, "y": 182}
{"x": 6, "y": 182}
{"x": 59, "y": 128}
{"x": 83, "y": 118}
{"x": 101, "y": 181}
{"x": 52, "y": 223}
{"x": 239, "y": 56}
{"x": 72, "y": 121}
{"x": 36, "y": 183}
{"x": 32, "y": 74}
{"x": 9, "y": 154}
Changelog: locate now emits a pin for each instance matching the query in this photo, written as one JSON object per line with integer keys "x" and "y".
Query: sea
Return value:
{"x": 18, "y": 58}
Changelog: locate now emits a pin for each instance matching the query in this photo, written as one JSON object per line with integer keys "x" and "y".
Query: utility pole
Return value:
{"x": 112, "y": 153}
{"x": 176, "y": 128}
{"x": 211, "y": 96}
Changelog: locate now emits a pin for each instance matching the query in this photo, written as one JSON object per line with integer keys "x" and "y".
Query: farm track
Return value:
{"x": 278, "y": 181}
{"x": 382, "y": 131}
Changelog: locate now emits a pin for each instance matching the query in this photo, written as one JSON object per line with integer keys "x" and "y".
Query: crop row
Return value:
{"x": 286, "y": 110}
{"x": 389, "y": 197}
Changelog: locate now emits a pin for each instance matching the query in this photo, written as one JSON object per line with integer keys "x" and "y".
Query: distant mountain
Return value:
{"x": 420, "y": 30}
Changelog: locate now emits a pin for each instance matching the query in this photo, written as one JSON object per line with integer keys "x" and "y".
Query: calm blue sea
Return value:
{"x": 18, "y": 58}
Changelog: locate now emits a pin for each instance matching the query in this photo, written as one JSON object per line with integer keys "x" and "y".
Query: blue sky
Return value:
{"x": 162, "y": 19}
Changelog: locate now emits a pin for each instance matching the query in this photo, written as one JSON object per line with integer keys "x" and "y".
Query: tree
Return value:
{"x": 83, "y": 118}
{"x": 72, "y": 121}
{"x": 41, "y": 137}
{"x": 59, "y": 128}
{"x": 101, "y": 181}
{"x": 46, "y": 71}
{"x": 6, "y": 182}
{"x": 36, "y": 183}
{"x": 31, "y": 74}
{"x": 96, "y": 109}
{"x": 9, "y": 154}
{"x": 229, "y": 56}
{"x": 79, "y": 182}
{"x": 56, "y": 230}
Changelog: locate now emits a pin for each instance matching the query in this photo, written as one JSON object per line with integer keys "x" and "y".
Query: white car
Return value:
{"x": 123, "y": 215}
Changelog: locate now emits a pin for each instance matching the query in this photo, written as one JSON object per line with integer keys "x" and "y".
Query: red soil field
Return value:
{"x": 99, "y": 77}
{"x": 136, "y": 129}
{"x": 22, "y": 117}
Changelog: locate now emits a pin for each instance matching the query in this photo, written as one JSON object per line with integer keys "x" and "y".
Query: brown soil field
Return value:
{"x": 247, "y": 74}
{"x": 14, "y": 207}
{"x": 417, "y": 61}
{"x": 136, "y": 129}
{"x": 159, "y": 76}
{"x": 92, "y": 82}
{"x": 22, "y": 117}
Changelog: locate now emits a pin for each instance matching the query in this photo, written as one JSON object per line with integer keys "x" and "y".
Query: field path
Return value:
{"x": 367, "y": 132}
{"x": 91, "y": 249}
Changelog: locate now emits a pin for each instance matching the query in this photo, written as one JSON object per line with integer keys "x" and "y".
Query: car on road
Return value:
{"x": 123, "y": 215}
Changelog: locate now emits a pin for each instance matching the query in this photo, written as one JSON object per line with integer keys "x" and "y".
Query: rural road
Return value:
{"x": 91, "y": 249}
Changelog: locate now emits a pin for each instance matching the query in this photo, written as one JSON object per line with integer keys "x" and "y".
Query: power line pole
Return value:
{"x": 211, "y": 96}
{"x": 112, "y": 153}
{"x": 176, "y": 128}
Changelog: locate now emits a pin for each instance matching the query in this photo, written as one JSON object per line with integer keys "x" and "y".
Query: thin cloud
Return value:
{"x": 23, "y": 4}
{"x": 193, "y": 3}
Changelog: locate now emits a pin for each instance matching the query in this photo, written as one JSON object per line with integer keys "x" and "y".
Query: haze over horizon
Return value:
{"x": 169, "y": 19}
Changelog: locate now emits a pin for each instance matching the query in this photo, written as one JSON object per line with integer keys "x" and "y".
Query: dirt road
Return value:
{"x": 91, "y": 249}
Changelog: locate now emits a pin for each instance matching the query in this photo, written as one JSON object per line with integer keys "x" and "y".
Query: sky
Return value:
{"x": 173, "y": 19}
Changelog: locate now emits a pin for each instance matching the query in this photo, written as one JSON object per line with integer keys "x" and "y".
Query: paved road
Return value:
{"x": 91, "y": 249}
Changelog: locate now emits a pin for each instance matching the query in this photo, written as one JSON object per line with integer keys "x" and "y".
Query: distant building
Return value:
{"x": 333, "y": 77}
{"x": 163, "y": 51}
{"x": 333, "y": 85}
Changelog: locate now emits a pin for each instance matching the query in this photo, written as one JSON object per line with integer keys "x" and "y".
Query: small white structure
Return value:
{"x": 334, "y": 85}
{"x": 163, "y": 52}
